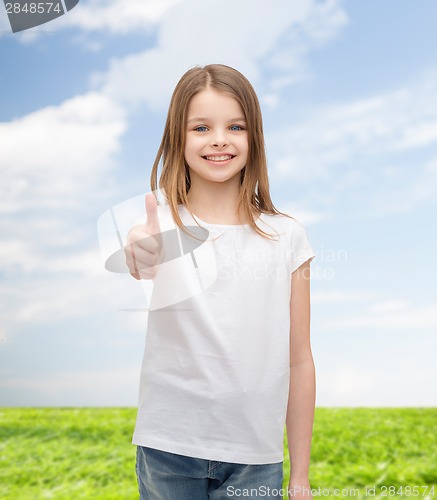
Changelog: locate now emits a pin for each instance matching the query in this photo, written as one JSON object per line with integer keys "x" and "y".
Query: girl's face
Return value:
{"x": 216, "y": 145}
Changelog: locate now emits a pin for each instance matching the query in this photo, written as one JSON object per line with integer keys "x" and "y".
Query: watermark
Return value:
{"x": 331, "y": 255}
{"x": 24, "y": 15}
{"x": 190, "y": 264}
{"x": 261, "y": 491}
{"x": 301, "y": 491}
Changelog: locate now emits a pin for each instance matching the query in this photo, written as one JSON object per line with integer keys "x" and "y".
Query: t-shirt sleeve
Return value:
{"x": 301, "y": 249}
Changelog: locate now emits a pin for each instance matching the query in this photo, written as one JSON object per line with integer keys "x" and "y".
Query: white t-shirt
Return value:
{"x": 215, "y": 373}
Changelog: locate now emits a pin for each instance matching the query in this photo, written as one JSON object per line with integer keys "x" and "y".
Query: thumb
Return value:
{"x": 152, "y": 223}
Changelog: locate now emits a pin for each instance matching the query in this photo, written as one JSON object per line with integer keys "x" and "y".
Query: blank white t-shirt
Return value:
{"x": 215, "y": 373}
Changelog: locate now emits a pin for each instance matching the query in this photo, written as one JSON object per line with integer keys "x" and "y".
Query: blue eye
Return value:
{"x": 198, "y": 129}
{"x": 236, "y": 128}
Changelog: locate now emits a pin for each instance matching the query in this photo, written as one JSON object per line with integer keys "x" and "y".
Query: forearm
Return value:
{"x": 300, "y": 416}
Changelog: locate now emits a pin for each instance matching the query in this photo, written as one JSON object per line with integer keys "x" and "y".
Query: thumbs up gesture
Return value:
{"x": 144, "y": 249}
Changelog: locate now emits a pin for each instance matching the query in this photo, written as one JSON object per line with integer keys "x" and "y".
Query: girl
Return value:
{"x": 226, "y": 369}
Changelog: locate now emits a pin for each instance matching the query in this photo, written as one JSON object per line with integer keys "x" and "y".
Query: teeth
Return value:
{"x": 219, "y": 158}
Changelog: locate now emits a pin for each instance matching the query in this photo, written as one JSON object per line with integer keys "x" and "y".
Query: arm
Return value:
{"x": 301, "y": 400}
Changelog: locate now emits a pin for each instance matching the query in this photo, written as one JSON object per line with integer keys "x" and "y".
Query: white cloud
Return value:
{"x": 115, "y": 387}
{"x": 383, "y": 357}
{"x": 3, "y": 335}
{"x": 329, "y": 143}
{"x": 187, "y": 36}
{"x": 58, "y": 151}
{"x": 389, "y": 306}
{"x": 350, "y": 385}
{"x": 54, "y": 163}
{"x": 117, "y": 16}
{"x": 325, "y": 22}
{"x": 269, "y": 100}
{"x": 425, "y": 186}
{"x": 322, "y": 23}
{"x": 56, "y": 298}
{"x": 389, "y": 314}
{"x": 304, "y": 216}
{"x": 341, "y": 296}
{"x": 378, "y": 153}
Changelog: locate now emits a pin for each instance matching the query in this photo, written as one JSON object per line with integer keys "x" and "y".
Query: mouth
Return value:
{"x": 218, "y": 158}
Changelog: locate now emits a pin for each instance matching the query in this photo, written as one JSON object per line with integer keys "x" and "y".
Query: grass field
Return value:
{"x": 86, "y": 453}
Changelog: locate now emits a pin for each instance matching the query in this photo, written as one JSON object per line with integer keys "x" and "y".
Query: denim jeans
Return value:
{"x": 167, "y": 476}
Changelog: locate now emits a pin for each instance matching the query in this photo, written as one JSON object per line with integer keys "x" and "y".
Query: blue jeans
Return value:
{"x": 166, "y": 476}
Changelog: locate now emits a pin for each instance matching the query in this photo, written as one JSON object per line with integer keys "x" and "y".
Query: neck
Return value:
{"x": 215, "y": 202}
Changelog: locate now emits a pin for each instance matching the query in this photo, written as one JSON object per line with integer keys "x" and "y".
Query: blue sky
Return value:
{"x": 349, "y": 97}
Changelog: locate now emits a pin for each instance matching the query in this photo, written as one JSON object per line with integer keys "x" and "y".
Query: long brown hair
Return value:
{"x": 254, "y": 195}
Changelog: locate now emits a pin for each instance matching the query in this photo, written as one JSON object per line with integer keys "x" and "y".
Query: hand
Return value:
{"x": 144, "y": 249}
{"x": 299, "y": 489}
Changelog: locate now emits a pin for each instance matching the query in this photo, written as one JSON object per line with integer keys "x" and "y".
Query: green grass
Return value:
{"x": 68, "y": 453}
{"x": 374, "y": 447}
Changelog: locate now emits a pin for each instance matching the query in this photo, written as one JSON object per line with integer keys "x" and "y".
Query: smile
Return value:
{"x": 219, "y": 158}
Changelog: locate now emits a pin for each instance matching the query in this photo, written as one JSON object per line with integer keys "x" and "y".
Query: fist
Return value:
{"x": 144, "y": 248}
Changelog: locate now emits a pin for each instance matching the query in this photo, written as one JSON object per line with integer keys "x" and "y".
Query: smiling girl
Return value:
{"x": 226, "y": 369}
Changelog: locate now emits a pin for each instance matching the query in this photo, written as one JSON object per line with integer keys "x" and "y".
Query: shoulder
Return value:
{"x": 285, "y": 223}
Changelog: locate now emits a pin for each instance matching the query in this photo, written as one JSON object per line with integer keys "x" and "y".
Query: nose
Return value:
{"x": 219, "y": 139}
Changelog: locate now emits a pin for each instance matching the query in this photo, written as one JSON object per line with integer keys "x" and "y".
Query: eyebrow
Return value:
{"x": 201, "y": 119}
